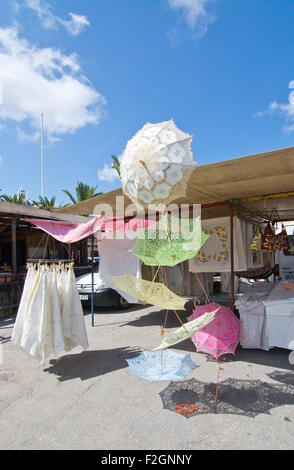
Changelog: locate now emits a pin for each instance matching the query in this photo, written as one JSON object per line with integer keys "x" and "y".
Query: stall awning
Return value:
{"x": 256, "y": 175}
{"x": 67, "y": 232}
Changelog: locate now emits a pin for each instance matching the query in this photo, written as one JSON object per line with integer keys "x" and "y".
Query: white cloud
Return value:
{"x": 75, "y": 25}
{"x": 43, "y": 10}
{"x": 195, "y": 13}
{"x": 37, "y": 81}
{"x": 1, "y": 160}
{"x": 286, "y": 110}
{"x": 192, "y": 9}
{"x": 107, "y": 173}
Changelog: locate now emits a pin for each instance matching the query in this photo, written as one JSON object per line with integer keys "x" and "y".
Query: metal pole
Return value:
{"x": 92, "y": 275}
{"x": 42, "y": 157}
{"x": 14, "y": 285}
{"x": 232, "y": 258}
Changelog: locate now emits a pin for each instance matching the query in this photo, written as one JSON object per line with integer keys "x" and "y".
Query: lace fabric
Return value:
{"x": 165, "y": 365}
{"x": 157, "y": 164}
{"x": 255, "y": 245}
{"x": 221, "y": 335}
{"x": 50, "y": 316}
{"x": 153, "y": 293}
{"x": 179, "y": 241}
{"x": 271, "y": 242}
{"x": 187, "y": 330}
{"x": 31, "y": 282}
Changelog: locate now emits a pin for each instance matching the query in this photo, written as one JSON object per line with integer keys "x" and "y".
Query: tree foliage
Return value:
{"x": 83, "y": 192}
{"x": 115, "y": 164}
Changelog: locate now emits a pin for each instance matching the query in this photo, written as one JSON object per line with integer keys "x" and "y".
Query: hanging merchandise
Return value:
{"x": 156, "y": 164}
{"x": 187, "y": 329}
{"x": 161, "y": 365}
{"x": 220, "y": 336}
{"x": 170, "y": 242}
{"x": 153, "y": 293}
{"x": 260, "y": 263}
{"x": 258, "y": 273}
{"x": 29, "y": 288}
{"x": 281, "y": 240}
{"x": 215, "y": 254}
{"x": 69, "y": 232}
{"x": 255, "y": 245}
{"x": 50, "y": 316}
{"x": 116, "y": 259}
{"x": 271, "y": 242}
{"x": 72, "y": 317}
{"x": 268, "y": 238}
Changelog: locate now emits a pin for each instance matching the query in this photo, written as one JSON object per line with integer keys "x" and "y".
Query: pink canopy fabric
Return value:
{"x": 68, "y": 232}
{"x": 119, "y": 224}
{"x": 221, "y": 335}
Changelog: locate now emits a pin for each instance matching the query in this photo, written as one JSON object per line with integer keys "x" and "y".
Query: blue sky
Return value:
{"x": 100, "y": 69}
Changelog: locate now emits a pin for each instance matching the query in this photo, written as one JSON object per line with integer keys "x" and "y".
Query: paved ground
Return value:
{"x": 88, "y": 399}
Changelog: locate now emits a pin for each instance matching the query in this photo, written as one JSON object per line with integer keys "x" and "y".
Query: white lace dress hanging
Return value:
{"x": 32, "y": 279}
{"x": 42, "y": 331}
{"x": 73, "y": 324}
{"x": 50, "y": 317}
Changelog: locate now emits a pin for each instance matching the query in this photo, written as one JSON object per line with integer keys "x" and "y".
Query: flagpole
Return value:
{"x": 42, "y": 157}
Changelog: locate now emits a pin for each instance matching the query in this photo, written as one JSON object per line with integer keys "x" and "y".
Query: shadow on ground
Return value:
{"x": 275, "y": 357}
{"x": 4, "y": 339}
{"x": 91, "y": 364}
{"x": 232, "y": 396}
{"x": 157, "y": 317}
{"x": 112, "y": 310}
{"x": 283, "y": 377}
{"x": 7, "y": 321}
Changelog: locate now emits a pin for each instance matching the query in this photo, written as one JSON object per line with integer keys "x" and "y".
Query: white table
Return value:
{"x": 267, "y": 316}
{"x": 253, "y": 332}
{"x": 279, "y": 307}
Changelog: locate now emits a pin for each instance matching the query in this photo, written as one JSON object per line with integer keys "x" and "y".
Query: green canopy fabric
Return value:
{"x": 187, "y": 330}
{"x": 170, "y": 242}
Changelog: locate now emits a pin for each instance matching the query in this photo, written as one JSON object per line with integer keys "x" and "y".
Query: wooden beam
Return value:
{"x": 13, "y": 245}
{"x": 268, "y": 196}
{"x": 21, "y": 210}
{"x": 3, "y": 227}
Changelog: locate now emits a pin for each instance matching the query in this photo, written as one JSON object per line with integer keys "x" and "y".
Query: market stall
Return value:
{"x": 267, "y": 308}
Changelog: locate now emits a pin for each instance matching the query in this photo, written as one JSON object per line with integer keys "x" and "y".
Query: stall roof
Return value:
{"x": 9, "y": 209}
{"x": 239, "y": 178}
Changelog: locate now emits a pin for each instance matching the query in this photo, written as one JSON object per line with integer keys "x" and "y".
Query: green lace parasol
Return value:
{"x": 170, "y": 242}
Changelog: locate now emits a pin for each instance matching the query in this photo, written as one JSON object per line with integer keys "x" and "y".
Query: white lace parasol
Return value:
{"x": 156, "y": 164}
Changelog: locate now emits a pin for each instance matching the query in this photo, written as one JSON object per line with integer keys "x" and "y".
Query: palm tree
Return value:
{"x": 15, "y": 199}
{"x": 44, "y": 202}
{"x": 115, "y": 164}
{"x": 83, "y": 192}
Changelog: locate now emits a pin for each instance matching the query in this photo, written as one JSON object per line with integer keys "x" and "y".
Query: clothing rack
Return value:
{"x": 36, "y": 260}
{"x": 61, "y": 261}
